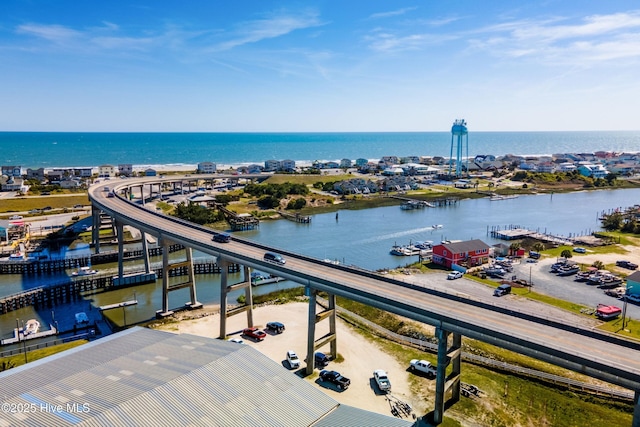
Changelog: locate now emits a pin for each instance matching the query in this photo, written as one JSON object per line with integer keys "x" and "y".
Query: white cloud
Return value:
{"x": 389, "y": 14}
{"x": 53, "y": 33}
{"x": 272, "y": 27}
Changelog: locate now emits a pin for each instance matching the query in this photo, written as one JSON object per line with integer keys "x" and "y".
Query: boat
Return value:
{"x": 436, "y": 226}
{"x": 609, "y": 281}
{"x": 567, "y": 270}
{"x": 607, "y": 312}
{"x": 84, "y": 271}
{"x": 412, "y": 204}
{"x": 583, "y": 276}
{"x": 31, "y": 327}
{"x": 258, "y": 278}
{"x": 409, "y": 250}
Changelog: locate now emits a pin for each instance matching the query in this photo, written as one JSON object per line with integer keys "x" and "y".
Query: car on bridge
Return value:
{"x": 274, "y": 258}
{"x": 254, "y": 333}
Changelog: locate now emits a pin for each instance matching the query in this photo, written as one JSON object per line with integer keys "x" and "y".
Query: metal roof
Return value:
{"x": 146, "y": 377}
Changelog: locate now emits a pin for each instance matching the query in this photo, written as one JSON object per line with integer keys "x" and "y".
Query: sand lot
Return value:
{"x": 361, "y": 357}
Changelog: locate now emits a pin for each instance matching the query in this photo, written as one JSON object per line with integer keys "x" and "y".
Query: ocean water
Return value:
{"x": 76, "y": 149}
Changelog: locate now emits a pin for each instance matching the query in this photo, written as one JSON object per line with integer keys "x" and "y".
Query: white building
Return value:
{"x": 207, "y": 167}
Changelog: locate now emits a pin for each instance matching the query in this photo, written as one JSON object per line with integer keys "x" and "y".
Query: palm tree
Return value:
{"x": 598, "y": 264}
{"x": 538, "y": 247}
{"x": 513, "y": 248}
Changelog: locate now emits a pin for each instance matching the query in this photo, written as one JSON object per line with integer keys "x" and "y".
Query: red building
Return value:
{"x": 470, "y": 252}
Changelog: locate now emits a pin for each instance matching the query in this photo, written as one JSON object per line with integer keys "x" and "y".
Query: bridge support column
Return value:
{"x": 193, "y": 304}
{"x": 95, "y": 228}
{"x": 447, "y": 355}
{"x": 225, "y": 288}
{"x": 314, "y": 318}
{"x": 145, "y": 253}
{"x": 311, "y": 331}
{"x": 164, "y": 243}
{"x": 636, "y": 409}
{"x": 120, "y": 237}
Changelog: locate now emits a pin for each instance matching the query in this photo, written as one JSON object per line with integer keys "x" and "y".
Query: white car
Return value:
{"x": 580, "y": 250}
{"x": 293, "y": 359}
{"x": 236, "y": 340}
{"x": 454, "y": 275}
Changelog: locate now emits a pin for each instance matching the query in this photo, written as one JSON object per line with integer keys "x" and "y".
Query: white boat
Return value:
{"x": 436, "y": 226}
{"x": 258, "y": 278}
{"x": 31, "y": 327}
{"x": 84, "y": 271}
{"x": 496, "y": 197}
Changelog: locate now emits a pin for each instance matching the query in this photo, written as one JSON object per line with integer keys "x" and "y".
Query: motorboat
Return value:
{"x": 31, "y": 327}
{"x": 567, "y": 270}
{"x": 607, "y": 312}
{"x": 84, "y": 271}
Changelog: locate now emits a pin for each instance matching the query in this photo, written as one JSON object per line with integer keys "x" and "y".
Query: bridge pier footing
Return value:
{"x": 448, "y": 355}
{"x": 314, "y": 318}
{"x": 225, "y": 288}
{"x": 636, "y": 409}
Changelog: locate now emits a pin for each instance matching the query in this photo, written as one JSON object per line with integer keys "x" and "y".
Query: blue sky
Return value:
{"x": 261, "y": 66}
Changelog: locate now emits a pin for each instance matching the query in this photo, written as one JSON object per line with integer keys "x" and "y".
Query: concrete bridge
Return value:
{"x": 600, "y": 355}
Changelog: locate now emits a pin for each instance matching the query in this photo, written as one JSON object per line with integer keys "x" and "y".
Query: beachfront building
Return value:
{"x": 271, "y": 165}
{"x": 250, "y": 169}
{"x": 150, "y": 172}
{"x": 592, "y": 170}
{"x": 288, "y": 165}
{"x": 566, "y": 167}
{"x": 345, "y": 163}
{"x": 37, "y": 174}
{"x": 469, "y": 253}
{"x": 12, "y": 171}
{"x": 70, "y": 183}
{"x": 106, "y": 171}
{"x": 389, "y": 160}
{"x": 125, "y": 169}
{"x": 356, "y": 186}
{"x": 361, "y": 162}
{"x": 207, "y": 167}
{"x": 13, "y": 183}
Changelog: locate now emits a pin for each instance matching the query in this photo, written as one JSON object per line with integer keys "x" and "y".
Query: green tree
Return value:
{"x": 598, "y": 264}
{"x": 195, "y": 213}
{"x": 566, "y": 253}
{"x": 538, "y": 247}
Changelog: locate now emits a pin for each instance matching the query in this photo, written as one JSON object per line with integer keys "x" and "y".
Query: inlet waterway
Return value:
{"x": 353, "y": 237}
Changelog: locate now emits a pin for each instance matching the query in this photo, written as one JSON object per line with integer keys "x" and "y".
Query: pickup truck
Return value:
{"x": 382, "y": 380}
{"x": 423, "y": 367}
{"x": 334, "y": 377}
{"x": 254, "y": 333}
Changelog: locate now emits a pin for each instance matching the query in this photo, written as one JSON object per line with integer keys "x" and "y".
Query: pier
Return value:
{"x": 71, "y": 290}
{"x": 239, "y": 222}
{"x": 302, "y": 219}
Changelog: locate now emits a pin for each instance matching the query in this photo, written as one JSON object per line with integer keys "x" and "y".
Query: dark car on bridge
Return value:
{"x": 274, "y": 258}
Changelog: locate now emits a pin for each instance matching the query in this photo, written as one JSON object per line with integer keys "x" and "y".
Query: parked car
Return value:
{"x": 381, "y": 378}
{"x": 454, "y": 275}
{"x": 336, "y": 378}
{"x": 47, "y": 208}
{"x": 254, "y": 333}
{"x": 502, "y": 290}
{"x": 236, "y": 340}
{"x": 274, "y": 258}
{"x": 627, "y": 264}
{"x": 12, "y": 217}
{"x": 275, "y": 327}
{"x": 320, "y": 359}
{"x": 580, "y": 250}
{"x": 423, "y": 367}
{"x": 293, "y": 359}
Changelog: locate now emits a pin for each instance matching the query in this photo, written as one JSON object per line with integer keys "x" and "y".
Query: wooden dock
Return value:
{"x": 303, "y": 219}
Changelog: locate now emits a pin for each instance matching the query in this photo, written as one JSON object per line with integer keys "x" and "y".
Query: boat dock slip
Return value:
{"x": 521, "y": 233}
{"x": 19, "y": 336}
{"x": 512, "y": 234}
{"x": 118, "y": 305}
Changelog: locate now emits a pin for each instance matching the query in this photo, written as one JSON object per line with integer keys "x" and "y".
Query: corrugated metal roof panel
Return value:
{"x": 348, "y": 416}
{"x": 146, "y": 377}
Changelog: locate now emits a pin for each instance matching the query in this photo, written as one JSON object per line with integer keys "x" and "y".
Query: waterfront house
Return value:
{"x": 125, "y": 169}
{"x": 410, "y": 159}
{"x": 68, "y": 183}
{"x": 106, "y": 171}
{"x": 37, "y": 174}
{"x": 361, "y": 162}
{"x": 150, "y": 172}
{"x": 592, "y": 170}
{"x": 345, "y": 163}
{"x": 389, "y": 160}
{"x": 12, "y": 171}
{"x": 207, "y": 167}
{"x": 471, "y": 253}
{"x": 288, "y": 165}
{"x": 271, "y": 165}
{"x": 633, "y": 283}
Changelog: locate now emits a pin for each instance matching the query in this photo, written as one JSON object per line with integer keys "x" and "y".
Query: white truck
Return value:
{"x": 423, "y": 367}
{"x": 382, "y": 380}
